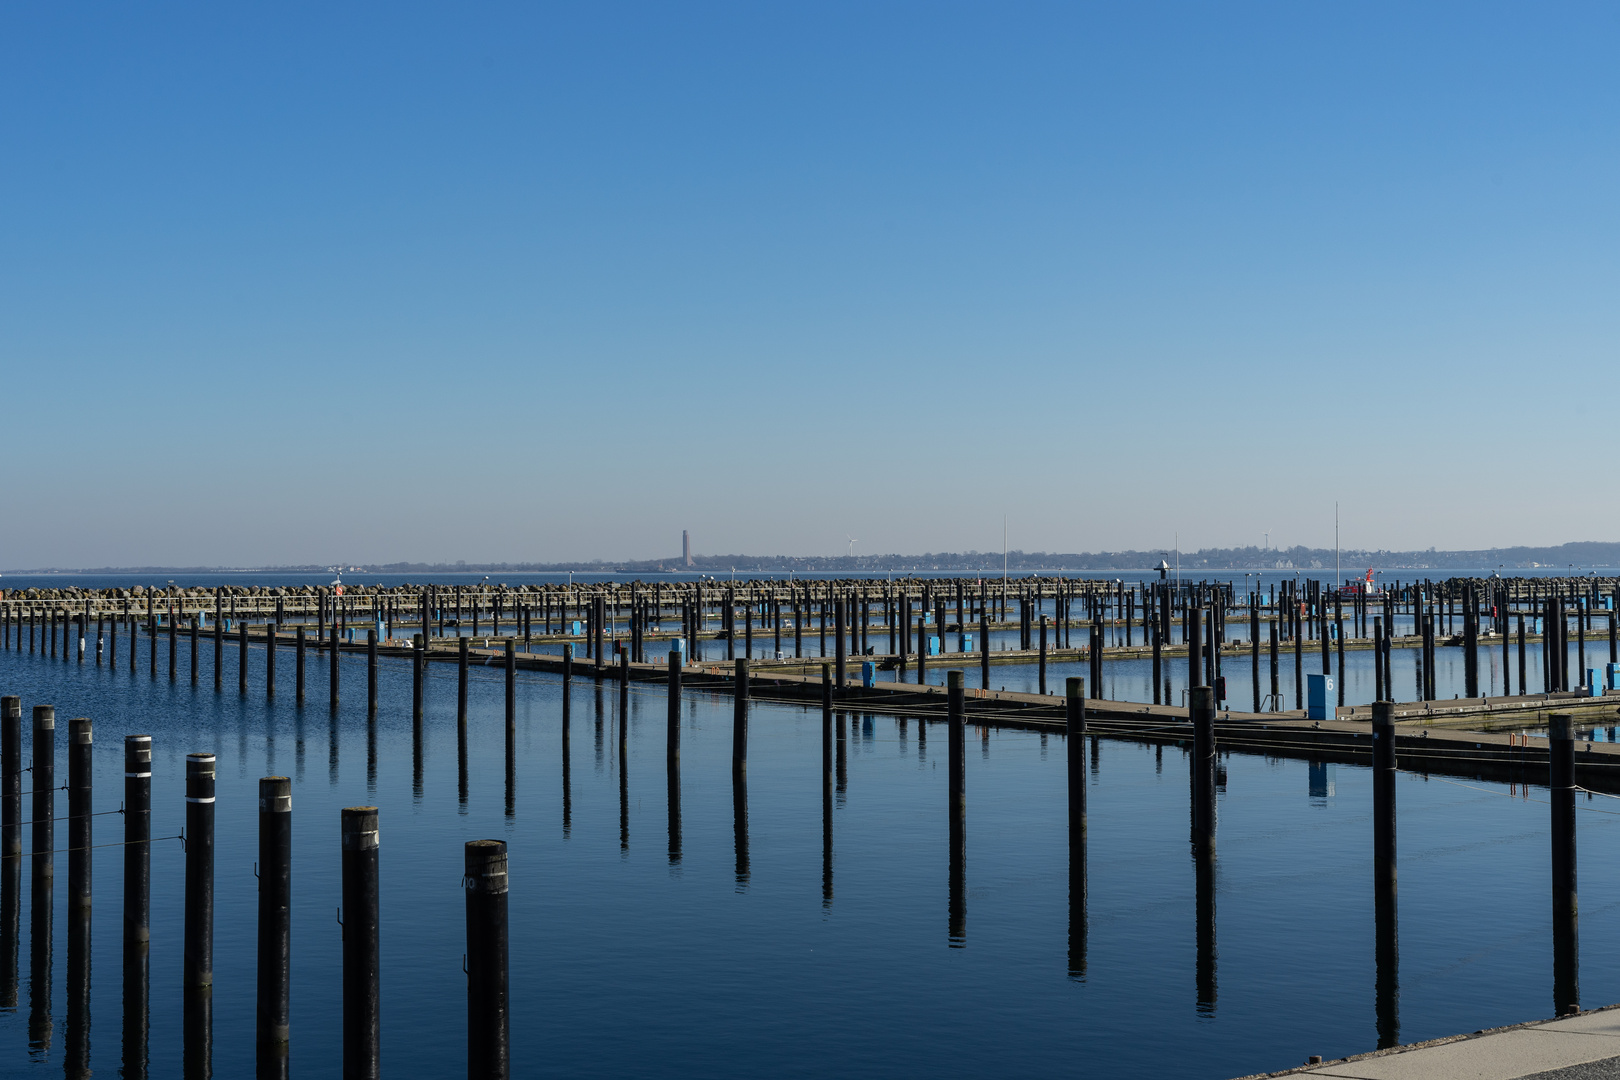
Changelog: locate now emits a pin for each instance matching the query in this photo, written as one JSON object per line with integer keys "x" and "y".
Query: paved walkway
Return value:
{"x": 1584, "y": 1047}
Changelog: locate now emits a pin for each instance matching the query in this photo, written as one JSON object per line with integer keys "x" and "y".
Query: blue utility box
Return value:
{"x": 1611, "y": 673}
{"x": 1594, "y": 688}
{"x": 868, "y": 674}
{"x": 933, "y": 645}
{"x": 573, "y": 628}
{"x": 967, "y": 642}
{"x": 1318, "y": 692}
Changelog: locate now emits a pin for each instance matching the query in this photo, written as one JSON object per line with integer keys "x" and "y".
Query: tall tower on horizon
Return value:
{"x": 686, "y": 547}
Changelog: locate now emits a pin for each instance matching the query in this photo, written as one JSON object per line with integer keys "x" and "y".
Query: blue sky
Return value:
{"x": 375, "y": 282}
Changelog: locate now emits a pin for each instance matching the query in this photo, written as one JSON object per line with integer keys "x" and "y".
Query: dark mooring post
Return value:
{"x": 241, "y": 656}
{"x": 299, "y": 645}
{"x": 673, "y": 739}
{"x": 137, "y": 900}
{"x": 1201, "y": 700}
{"x": 10, "y": 843}
{"x": 672, "y": 756}
{"x": 827, "y": 780}
{"x": 43, "y": 782}
{"x": 80, "y": 747}
{"x": 984, "y": 643}
{"x": 418, "y": 662}
{"x": 371, "y": 671}
{"x": 332, "y": 665}
{"x": 1387, "y": 948}
{"x": 511, "y": 684}
{"x": 1043, "y": 655}
{"x": 739, "y": 718}
{"x": 1075, "y": 747}
{"x": 956, "y": 807}
{"x": 270, "y": 660}
{"x": 488, "y": 1011}
{"x": 1561, "y": 789}
{"x": 838, "y": 649}
{"x": 1195, "y": 648}
{"x": 275, "y": 925}
{"x": 199, "y": 915}
{"x": 362, "y": 1039}
{"x": 219, "y": 649}
{"x": 461, "y": 681}
{"x": 11, "y": 769}
{"x": 76, "y": 1042}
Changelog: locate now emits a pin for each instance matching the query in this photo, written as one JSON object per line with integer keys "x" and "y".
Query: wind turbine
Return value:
{"x": 850, "y": 551}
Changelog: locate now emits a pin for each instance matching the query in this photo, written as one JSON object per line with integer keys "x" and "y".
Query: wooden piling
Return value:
{"x": 672, "y": 740}
{"x": 361, "y": 990}
{"x": 80, "y": 778}
{"x": 43, "y": 782}
{"x": 488, "y": 1008}
{"x": 956, "y": 804}
{"x": 1566, "y": 912}
{"x": 137, "y": 901}
{"x": 1043, "y": 656}
{"x": 418, "y": 664}
{"x": 272, "y": 1029}
{"x": 984, "y": 645}
{"x": 269, "y": 660}
{"x": 332, "y": 664}
{"x": 511, "y": 684}
{"x": 739, "y": 717}
{"x": 11, "y": 769}
{"x": 1201, "y": 706}
{"x": 198, "y": 962}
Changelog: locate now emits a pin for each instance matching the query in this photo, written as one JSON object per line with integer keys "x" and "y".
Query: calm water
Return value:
{"x": 625, "y": 962}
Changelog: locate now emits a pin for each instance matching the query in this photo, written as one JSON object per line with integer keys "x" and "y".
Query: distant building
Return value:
{"x": 686, "y": 548}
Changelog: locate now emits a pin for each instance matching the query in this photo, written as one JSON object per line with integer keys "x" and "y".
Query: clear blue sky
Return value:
{"x": 296, "y": 283}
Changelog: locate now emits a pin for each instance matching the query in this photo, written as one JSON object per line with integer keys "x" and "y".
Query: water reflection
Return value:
{"x": 624, "y": 774}
{"x": 674, "y": 771}
{"x": 739, "y": 819}
{"x": 1320, "y": 780}
{"x": 1204, "y": 885}
{"x": 842, "y": 764}
{"x": 76, "y": 1051}
{"x": 10, "y": 923}
{"x": 39, "y": 963}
